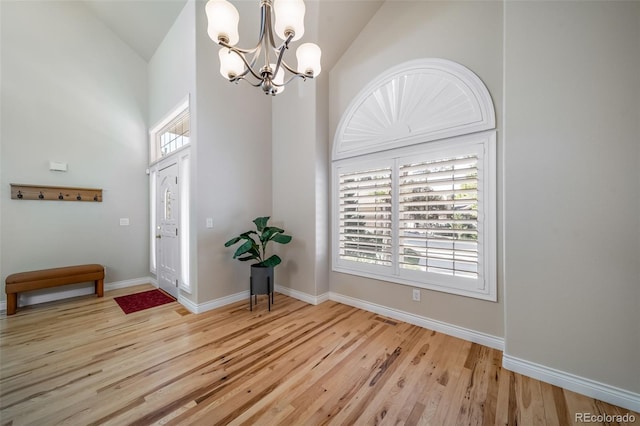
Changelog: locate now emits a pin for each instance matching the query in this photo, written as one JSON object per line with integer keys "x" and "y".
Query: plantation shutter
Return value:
{"x": 365, "y": 216}
{"x": 438, "y": 216}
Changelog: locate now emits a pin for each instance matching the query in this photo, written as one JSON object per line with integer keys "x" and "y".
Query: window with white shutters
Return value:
{"x": 365, "y": 216}
{"x": 438, "y": 216}
{"x": 420, "y": 216}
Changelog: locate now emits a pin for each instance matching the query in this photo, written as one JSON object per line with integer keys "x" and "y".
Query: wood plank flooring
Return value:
{"x": 84, "y": 362}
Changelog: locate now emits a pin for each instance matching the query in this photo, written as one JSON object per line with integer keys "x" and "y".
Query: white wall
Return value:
{"x": 233, "y": 183}
{"x": 572, "y": 188}
{"x": 466, "y": 32}
{"x": 301, "y": 142}
{"x": 172, "y": 68}
{"x": 297, "y": 149}
{"x": 296, "y": 186}
{"x": 72, "y": 92}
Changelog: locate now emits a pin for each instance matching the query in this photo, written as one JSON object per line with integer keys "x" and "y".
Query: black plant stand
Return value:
{"x": 253, "y": 293}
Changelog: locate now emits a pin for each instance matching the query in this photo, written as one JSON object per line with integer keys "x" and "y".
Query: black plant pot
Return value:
{"x": 261, "y": 283}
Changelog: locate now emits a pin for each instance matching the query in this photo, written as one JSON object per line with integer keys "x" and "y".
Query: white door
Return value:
{"x": 167, "y": 239}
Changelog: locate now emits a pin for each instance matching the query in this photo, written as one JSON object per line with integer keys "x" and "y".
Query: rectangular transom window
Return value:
{"x": 422, "y": 216}
{"x": 171, "y": 133}
{"x": 174, "y": 135}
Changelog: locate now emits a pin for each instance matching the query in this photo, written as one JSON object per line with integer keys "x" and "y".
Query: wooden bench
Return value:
{"x": 46, "y": 278}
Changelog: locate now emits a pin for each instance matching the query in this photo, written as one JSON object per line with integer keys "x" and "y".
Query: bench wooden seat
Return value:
{"x": 46, "y": 278}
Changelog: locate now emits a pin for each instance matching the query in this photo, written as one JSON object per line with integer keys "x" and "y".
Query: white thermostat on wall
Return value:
{"x": 58, "y": 167}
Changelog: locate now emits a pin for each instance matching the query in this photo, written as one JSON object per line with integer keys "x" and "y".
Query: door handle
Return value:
{"x": 158, "y": 236}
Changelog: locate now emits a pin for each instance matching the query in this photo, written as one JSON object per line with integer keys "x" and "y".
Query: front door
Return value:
{"x": 168, "y": 246}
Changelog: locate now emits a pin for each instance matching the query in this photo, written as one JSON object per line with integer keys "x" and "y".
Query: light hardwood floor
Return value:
{"x": 84, "y": 362}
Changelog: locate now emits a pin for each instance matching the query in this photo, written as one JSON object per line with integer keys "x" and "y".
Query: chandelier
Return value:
{"x": 242, "y": 64}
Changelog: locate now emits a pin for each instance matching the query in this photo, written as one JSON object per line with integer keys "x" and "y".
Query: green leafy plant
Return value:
{"x": 252, "y": 249}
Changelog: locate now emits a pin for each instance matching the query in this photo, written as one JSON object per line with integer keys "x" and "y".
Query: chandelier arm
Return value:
{"x": 256, "y": 54}
{"x": 246, "y": 72}
{"x": 293, "y": 77}
{"x": 239, "y": 49}
{"x": 263, "y": 21}
{"x": 296, "y": 73}
{"x": 241, "y": 54}
{"x": 266, "y": 32}
{"x": 254, "y": 51}
{"x": 268, "y": 23}
{"x": 284, "y": 46}
{"x": 249, "y": 66}
{"x": 237, "y": 79}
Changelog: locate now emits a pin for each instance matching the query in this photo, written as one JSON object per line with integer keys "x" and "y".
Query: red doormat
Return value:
{"x": 144, "y": 300}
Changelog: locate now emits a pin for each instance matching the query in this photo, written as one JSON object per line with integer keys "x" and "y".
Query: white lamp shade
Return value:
{"x": 223, "y": 20}
{"x": 308, "y": 55}
{"x": 279, "y": 78}
{"x": 289, "y": 16}
{"x": 231, "y": 65}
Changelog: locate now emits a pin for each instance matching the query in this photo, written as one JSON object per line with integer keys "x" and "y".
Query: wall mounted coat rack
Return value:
{"x": 54, "y": 193}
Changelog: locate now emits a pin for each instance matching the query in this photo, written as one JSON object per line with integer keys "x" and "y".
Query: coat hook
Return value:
{"x": 20, "y": 194}
{"x": 61, "y": 197}
{"x": 95, "y": 197}
{"x": 41, "y": 195}
{"x": 79, "y": 198}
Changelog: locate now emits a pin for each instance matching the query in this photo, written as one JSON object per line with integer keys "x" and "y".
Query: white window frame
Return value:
{"x": 485, "y": 286}
{"x": 155, "y": 153}
{"x": 422, "y": 109}
{"x": 153, "y": 179}
{"x": 184, "y": 180}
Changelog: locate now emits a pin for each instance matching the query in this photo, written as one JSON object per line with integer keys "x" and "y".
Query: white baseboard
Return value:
{"x": 130, "y": 283}
{"x": 58, "y": 293}
{"x": 300, "y": 295}
{"x": 191, "y": 307}
{"x": 432, "y": 324}
{"x": 198, "y": 308}
{"x": 611, "y": 394}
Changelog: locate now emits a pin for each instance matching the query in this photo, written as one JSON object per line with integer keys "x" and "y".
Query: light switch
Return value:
{"x": 124, "y": 221}
{"x": 57, "y": 166}
{"x": 209, "y": 222}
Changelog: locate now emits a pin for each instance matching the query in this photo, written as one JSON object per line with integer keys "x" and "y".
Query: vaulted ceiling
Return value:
{"x": 143, "y": 24}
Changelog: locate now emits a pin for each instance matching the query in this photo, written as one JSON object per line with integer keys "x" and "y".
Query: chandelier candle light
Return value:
{"x": 238, "y": 64}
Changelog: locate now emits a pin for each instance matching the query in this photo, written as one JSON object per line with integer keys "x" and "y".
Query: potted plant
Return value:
{"x": 252, "y": 249}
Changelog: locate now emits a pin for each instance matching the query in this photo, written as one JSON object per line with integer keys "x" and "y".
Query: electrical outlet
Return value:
{"x": 416, "y": 294}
